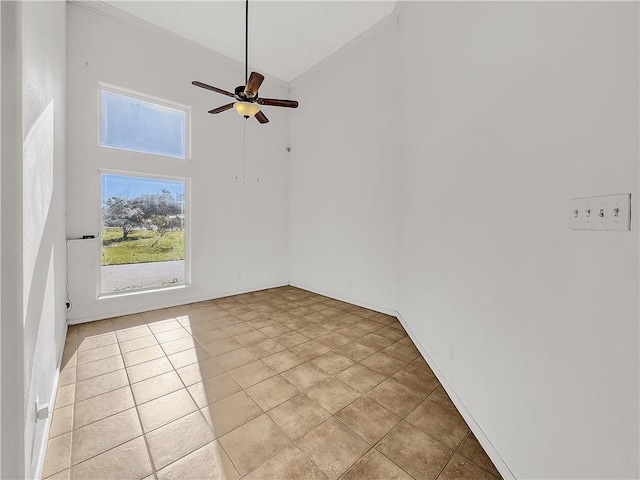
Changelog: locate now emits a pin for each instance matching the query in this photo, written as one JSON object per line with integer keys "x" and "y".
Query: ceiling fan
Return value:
{"x": 247, "y": 102}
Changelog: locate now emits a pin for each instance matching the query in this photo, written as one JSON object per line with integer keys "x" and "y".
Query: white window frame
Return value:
{"x": 150, "y": 99}
{"x": 187, "y": 235}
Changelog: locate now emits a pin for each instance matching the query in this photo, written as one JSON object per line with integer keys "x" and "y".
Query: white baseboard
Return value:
{"x": 352, "y": 301}
{"x": 464, "y": 411}
{"x": 131, "y": 311}
{"x": 52, "y": 402}
{"x": 457, "y": 401}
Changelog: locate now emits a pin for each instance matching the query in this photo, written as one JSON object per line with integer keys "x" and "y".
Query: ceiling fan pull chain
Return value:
{"x": 244, "y": 151}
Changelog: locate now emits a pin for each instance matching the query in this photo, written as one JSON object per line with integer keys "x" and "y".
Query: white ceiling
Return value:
{"x": 286, "y": 38}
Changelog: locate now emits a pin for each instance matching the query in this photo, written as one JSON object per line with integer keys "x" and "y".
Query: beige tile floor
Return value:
{"x": 275, "y": 384}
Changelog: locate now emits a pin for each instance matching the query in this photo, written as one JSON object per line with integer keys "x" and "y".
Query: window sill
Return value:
{"x": 141, "y": 291}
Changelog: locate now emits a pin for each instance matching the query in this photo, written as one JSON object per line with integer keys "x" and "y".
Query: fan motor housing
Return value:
{"x": 240, "y": 93}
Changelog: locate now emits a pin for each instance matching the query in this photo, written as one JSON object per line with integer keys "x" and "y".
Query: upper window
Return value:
{"x": 140, "y": 125}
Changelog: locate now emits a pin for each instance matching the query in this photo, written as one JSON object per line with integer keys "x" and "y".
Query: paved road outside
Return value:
{"x": 117, "y": 278}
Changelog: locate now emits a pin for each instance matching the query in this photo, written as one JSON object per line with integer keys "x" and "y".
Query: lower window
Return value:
{"x": 143, "y": 232}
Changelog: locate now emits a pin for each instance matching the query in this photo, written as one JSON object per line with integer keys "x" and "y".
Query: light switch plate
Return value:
{"x": 606, "y": 212}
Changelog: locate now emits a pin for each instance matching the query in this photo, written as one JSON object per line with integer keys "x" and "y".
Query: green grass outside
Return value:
{"x": 139, "y": 247}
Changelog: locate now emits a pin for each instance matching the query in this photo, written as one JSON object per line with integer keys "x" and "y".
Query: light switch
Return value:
{"x": 606, "y": 212}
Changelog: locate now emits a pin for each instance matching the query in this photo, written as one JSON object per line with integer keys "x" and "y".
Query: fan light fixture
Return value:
{"x": 246, "y": 109}
{"x": 247, "y": 102}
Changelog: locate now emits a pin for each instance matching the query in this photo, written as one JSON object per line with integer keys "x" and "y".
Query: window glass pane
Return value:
{"x": 143, "y": 230}
{"x": 133, "y": 124}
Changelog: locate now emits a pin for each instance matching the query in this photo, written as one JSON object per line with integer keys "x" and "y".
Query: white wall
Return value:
{"x": 534, "y": 325}
{"x": 344, "y": 231}
{"x": 11, "y": 364}
{"x": 2, "y": 41}
{"x": 506, "y": 111}
{"x": 33, "y": 208}
{"x": 239, "y": 237}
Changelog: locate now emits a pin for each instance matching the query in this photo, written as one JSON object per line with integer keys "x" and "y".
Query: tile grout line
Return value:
{"x": 263, "y": 413}
{"x": 361, "y": 395}
{"x": 174, "y": 370}
{"x": 199, "y": 410}
{"x": 334, "y": 416}
{"x": 381, "y": 453}
{"x": 404, "y": 419}
{"x": 144, "y": 436}
{"x": 73, "y": 407}
{"x": 467, "y": 458}
{"x": 373, "y": 447}
{"x": 136, "y": 404}
{"x": 452, "y": 455}
{"x": 155, "y": 472}
{"x": 73, "y": 411}
{"x": 296, "y": 319}
{"x": 429, "y": 435}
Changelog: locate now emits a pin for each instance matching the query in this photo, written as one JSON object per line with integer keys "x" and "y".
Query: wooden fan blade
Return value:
{"x": 274, "y": 102}
{"x": 222, "y": 108}
{"x": 213, "y": 89}
{"x": 253, "y": 84}
{"x": 261, "y": 117}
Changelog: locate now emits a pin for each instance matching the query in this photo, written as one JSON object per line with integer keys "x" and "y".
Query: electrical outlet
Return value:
{"x": 42, "y": 410}
{"x": 606, "y": 212}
